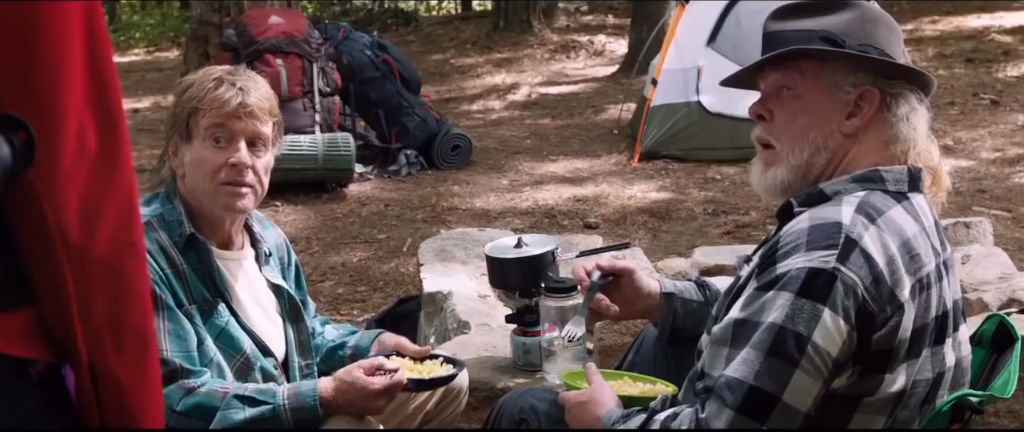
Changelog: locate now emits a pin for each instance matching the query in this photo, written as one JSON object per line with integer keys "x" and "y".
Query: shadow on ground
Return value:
{"x": 541, "y": 111}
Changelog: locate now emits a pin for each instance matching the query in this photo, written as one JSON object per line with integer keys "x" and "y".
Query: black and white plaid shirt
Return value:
{"x": 848, "y": 315}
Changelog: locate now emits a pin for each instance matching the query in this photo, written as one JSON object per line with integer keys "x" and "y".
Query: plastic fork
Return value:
{"x": 576, "y": 328}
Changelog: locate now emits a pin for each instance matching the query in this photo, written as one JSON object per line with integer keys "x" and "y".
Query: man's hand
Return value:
{"x": 628, "y": 296}
{"x": 584, "y": 408}
{"x": 357, "y": 390}
{"x": 389, "y": 342}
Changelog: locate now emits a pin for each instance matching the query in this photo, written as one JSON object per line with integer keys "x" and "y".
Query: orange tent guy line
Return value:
{"x": 676, "y": 16}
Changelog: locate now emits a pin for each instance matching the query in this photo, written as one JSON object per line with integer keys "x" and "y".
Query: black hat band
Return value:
{"x": 774, "y": 41}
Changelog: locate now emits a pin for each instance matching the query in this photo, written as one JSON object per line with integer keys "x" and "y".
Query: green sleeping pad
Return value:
{"x": 305, "y": 160}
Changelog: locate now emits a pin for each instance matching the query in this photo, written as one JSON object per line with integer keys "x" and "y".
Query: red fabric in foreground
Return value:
{"x": 76, "y": 215}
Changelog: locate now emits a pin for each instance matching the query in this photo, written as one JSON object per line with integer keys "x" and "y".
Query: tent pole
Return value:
{"x": 669, "y": 35}
{"x": 625, "y": 85}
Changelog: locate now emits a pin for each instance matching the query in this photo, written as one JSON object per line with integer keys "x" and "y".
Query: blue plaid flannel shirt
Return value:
{"x": 216, "y": 372}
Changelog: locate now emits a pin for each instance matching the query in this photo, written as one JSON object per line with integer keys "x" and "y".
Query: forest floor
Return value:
{"x": 542, "y": 113}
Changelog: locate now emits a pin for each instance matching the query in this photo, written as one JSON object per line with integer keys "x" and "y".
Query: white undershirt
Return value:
{"x": 251, "y": 296}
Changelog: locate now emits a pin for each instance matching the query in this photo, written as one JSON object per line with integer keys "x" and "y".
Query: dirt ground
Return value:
{"x": 542, "y": 113}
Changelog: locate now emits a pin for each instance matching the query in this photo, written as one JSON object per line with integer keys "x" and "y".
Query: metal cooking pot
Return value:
{"x": 522, "y": 264}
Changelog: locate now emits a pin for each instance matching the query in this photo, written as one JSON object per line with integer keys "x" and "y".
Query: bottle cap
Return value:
{"x": 561, "y": 287}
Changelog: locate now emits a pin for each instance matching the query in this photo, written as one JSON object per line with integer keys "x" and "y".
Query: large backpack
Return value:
{"x": 286, "y": 49}
{"x": 383, "y": 87}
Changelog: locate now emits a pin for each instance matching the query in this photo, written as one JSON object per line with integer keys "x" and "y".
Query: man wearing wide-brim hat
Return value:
{"x": 849, "y": 312}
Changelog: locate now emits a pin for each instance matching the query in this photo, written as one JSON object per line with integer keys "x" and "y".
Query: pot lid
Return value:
{"x": 521, "y": 246}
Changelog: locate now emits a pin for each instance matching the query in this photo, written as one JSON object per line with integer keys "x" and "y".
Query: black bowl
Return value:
{"x": 419, "y": 385}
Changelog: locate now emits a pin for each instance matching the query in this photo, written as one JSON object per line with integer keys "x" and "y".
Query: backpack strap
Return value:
{"x": 963, "y": 412}
{"x": 316, "y": 118}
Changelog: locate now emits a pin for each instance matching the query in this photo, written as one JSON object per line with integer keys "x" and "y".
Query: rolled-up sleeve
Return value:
{"x": 686, "y": 306}
{"x": 767, "y": 363}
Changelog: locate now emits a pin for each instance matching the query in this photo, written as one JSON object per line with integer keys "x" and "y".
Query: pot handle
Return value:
{"x": 596, "y": 251}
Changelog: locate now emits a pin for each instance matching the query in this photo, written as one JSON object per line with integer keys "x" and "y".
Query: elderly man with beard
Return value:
{"x": 848, "y": 314}
{"x": 239, "y": 340}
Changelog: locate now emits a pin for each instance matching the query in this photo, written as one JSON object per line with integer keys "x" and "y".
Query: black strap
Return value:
{"x": 963, "y": 412}
{"x": 779, "y": 40}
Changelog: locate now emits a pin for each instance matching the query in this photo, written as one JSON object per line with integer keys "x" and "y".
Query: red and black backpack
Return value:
{"x": 287, "y": 50}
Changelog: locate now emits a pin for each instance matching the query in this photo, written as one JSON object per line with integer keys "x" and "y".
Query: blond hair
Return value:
{"x": 218, "y": 92}
{"x": 909, "y": 120}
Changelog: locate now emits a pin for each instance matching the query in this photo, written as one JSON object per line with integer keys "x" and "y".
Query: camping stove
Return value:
{"x": 525, "y": 338}
{"x": 518, "y": 268}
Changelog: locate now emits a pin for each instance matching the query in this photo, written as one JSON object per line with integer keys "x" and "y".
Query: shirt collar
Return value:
{"x": 898, "y": 179}
{"x": 179, "y": 229}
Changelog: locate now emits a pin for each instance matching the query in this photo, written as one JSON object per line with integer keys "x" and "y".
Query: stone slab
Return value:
{"x": 569, "y": 243}
{"x": 711, "y": 261}
{"x": 463, "y": 316}
{"x": 457, "y": 300}
{"x": 677, "y": 268}
{"x": 969, "y": 231}
{"x": 982, "y": 268}
{"x": 1006, "y": 294}
{"x": 722, "y": 282}
{"x": 975, "y": 321}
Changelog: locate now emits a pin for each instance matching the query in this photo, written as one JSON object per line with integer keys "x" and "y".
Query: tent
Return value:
{"x": 683, "y": 112}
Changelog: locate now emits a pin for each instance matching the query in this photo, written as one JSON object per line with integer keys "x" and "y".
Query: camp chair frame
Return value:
{"x": 995, "y": 367}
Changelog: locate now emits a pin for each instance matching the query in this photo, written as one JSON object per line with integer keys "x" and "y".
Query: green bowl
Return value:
{"x": 576, "y": 380}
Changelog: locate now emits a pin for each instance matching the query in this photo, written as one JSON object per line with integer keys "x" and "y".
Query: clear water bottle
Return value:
{"x": 559, "y": 303}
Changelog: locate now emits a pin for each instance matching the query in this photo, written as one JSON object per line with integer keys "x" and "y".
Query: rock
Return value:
{"x": 722, "y": 282}
{"x": 612, "y": 339}
{"x": 1006, "y": 294}
{"x": 676, "y": 268}
{"x": 969, "y": 231}
{"x": 975, "y": 321}
{"x": 569, "y": 243}
{"x": 591, "y": 224}
{"x": 362, "y": 321}
{"x": 718, "y": 260}
{"x": 490, "y": 377}
{"x": 461, "y": 313}
{"x": 982, "y": 268}
{"x": 991, "y": 211}
{"x": 463, "y": 316}
{"x": 990, "y": 99}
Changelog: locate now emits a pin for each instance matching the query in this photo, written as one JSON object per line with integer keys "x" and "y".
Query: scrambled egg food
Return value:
{"x": 432, "y": 368}
{"x": 628, "y": 387}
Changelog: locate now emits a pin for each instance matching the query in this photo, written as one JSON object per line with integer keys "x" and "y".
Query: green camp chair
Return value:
{"x": 995, "y": 364}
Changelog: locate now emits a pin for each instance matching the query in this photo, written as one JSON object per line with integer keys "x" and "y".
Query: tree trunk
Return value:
{"x": 113, "y": 10}
{"x": 518, "y": 16}
{"x": 644, "y": 26}
{"x": 205, "y": 27}
{"x": 466, "y": 7}
{"x": 551, "y": 13}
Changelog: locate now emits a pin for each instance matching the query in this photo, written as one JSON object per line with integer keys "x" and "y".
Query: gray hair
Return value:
{"x": 909, "y": 120}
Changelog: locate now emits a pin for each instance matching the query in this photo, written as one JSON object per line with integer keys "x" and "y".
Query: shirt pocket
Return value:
{"x": 224, "y": 347}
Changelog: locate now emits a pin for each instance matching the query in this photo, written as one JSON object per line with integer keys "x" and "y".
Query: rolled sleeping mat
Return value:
{"x": 452, "y": 149}
{"x": 305, "y": 160}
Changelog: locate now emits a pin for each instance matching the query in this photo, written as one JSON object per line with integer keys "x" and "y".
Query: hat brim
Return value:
{"x": 746, "y": 77}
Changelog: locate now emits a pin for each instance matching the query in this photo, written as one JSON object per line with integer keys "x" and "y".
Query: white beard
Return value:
{"x": 798, "y": 168}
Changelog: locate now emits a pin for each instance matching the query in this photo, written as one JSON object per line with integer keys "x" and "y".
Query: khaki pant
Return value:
{"x": 438, "y": 409}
